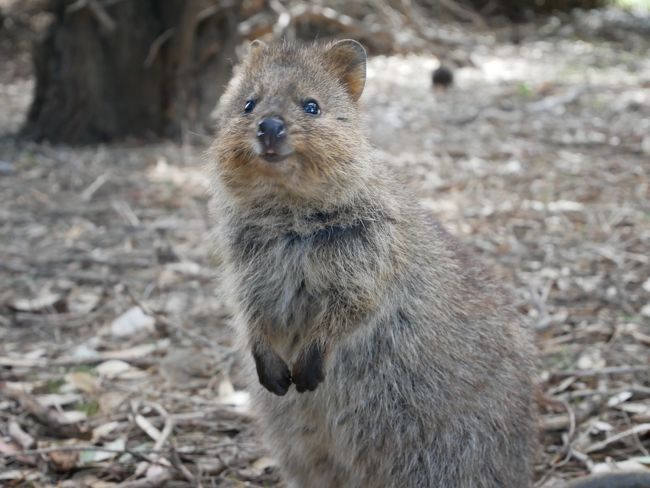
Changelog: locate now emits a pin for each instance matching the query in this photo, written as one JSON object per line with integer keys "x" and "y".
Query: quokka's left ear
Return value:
{"x": 347, "y": 58}
{"x": 255, "y": 50}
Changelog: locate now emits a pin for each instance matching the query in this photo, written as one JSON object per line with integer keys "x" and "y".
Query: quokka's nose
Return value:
{"x": 271, "y": 131}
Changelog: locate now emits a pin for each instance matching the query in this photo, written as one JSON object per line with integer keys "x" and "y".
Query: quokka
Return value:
{"x": 410, "y": 366}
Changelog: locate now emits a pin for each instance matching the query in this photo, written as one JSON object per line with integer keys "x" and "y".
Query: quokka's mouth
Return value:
{"x": 272, "y": 157}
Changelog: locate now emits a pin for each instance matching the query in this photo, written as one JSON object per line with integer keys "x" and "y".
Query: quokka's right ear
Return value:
{"x": 348, "y": 60}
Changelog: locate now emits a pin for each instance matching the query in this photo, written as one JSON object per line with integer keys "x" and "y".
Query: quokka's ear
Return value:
{"x": 347, "y": 58}
{"x": 256, "y": 48}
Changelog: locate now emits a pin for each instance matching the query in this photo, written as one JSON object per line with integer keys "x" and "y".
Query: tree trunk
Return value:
{"x": 112, "y": 69}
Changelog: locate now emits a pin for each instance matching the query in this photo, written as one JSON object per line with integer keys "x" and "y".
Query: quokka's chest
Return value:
{"x": 291, "y": 278}
{"x": 276, "y": 280}
{"x": 295, "y": 265}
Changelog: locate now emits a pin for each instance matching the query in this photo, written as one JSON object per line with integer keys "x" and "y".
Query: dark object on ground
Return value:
{"x": 442, "y": 77}
{"x": 130, "y": 69}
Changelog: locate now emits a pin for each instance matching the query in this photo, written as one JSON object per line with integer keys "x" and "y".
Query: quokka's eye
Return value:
{"x": 249, "y": 106}
{"x": 311, "y": 107}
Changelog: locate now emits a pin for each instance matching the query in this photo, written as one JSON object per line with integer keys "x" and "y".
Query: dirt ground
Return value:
{"x": 116, "y": 357}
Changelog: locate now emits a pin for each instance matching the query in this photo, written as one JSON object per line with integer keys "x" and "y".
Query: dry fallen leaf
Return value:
{"x": 131, "y": 322}
{"x": 634, "y": 464}
{"x": 240, "y": 400}
{"x": 81, "y": 300}
{"x": 110, "y": 401}
{"x": 103, "y": 430}
{"x": 142, "y": 350}
{"x": 90, "y": 456}
{"x": 264, "y": 463}
{"x": 63, "y": 461}
{"x": 72, "y": 416}
{"x": 46, "y": 300}
{"x": 17, "y": 433}
{"x": 101, "y": 484}
{"x": 113, "y": 368}
{"x": 147, "y": 427}
{"x": 83, "y": 381}
{"x": 15, "y": 475}
{"x": 8, "y": 448}
{"x": 157, "y": 474}
{"x": 599, "y": 426}
{"x": 619, "y": 398}
{"x": 58, "y": 399}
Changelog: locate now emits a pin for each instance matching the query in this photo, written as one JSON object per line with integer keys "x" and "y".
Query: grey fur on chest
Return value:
{"x": 288, "y": 276}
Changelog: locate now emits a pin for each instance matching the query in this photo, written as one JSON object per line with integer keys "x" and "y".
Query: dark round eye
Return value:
{"x": 311, "y": 107}
{"x": 250, "y": 105}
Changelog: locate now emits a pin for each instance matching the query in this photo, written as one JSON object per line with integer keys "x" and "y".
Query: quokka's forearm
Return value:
{"x": 272, "y": 371}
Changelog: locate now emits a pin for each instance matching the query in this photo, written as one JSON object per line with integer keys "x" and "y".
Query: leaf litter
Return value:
{"x": 117, "y": 363}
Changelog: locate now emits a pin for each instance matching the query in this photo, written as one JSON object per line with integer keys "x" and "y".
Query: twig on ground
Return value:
{"x": 46, "y": 416}
{"x": 634, "y": 431}
{"x": 611, "y": 370}
{"x": 155, "y": 481}
{"x": 17, "y": 433}
{"x": 178, "y": 464}
{"x": 570, "y": 419}
{"x": 88, "y": 193}
{"x": 15, "y": 362}
{"x": 47, "y": 450}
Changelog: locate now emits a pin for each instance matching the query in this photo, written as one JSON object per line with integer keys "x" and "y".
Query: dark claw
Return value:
{"x": 273, "y": 373}
{"x": 309, "y": 371}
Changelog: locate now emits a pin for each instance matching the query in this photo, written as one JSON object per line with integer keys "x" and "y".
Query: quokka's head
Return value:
{"x": 289, "y": 121}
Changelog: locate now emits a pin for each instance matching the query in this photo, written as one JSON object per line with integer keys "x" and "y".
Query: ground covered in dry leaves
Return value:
{"x": 116, "y": 360}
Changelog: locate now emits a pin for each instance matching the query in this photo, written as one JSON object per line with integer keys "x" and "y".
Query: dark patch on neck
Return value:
{"x": 252, "y": 241}
{"x": 335, "y": 225}
{"x": 338, "y": 232}
{"x": 323, "y": 217}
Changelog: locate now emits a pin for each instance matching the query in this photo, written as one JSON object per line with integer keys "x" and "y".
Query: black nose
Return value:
{"x": 271, "y": 131}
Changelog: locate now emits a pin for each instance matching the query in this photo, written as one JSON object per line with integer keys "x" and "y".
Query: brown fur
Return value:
{"x": 418, "y": 371}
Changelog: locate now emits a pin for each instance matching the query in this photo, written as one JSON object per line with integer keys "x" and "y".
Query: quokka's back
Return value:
{"x": 410, "y": 367}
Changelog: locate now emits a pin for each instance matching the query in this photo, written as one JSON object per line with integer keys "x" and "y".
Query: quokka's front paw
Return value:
{"x": 273, "y": 372}
{"x": 309, "y": 369}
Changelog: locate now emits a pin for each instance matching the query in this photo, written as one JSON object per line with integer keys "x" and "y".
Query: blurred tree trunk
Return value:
{"x": 111, "y": 69}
